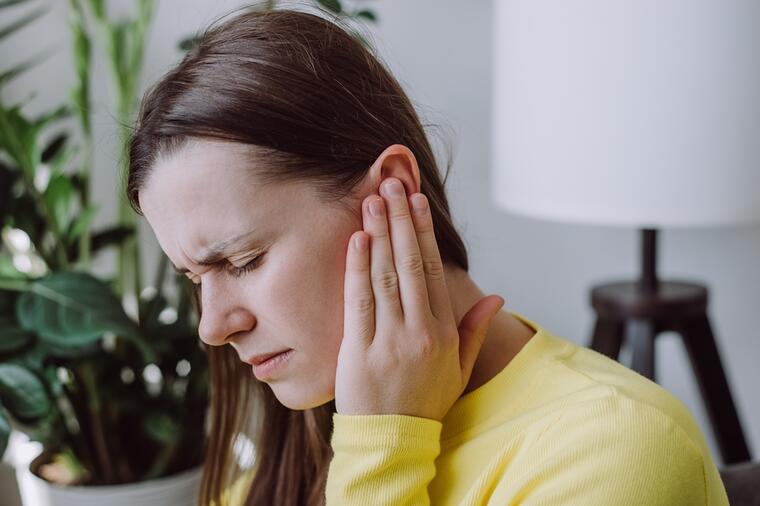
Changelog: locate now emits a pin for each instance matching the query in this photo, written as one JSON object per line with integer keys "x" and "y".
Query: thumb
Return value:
{"x": 473, "y": 329}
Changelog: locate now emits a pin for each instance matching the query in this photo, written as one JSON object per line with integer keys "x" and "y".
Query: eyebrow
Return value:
{"x": 217, "y": 251}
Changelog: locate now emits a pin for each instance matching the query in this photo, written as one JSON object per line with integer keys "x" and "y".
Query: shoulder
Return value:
{"x": 618, "y": 448}
{"x": 621, "y": 419}
{"x": 605, "y": 420}
{"x": 622, "y": 394}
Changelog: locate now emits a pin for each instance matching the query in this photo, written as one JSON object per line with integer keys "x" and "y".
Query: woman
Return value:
{"x": 264, "y": 163}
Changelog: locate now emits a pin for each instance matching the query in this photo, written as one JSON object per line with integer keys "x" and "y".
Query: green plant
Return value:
{"x": 75, "y": 369}
{"x": 110, "y": 377}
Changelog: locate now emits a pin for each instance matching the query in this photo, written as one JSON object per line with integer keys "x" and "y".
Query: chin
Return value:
{"x": 298, "y": 401}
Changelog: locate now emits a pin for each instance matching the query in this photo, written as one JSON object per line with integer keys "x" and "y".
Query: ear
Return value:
{"x": 396, "y": 161}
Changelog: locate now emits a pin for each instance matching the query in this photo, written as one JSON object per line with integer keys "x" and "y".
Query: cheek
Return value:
{"x": 305, "y": 291}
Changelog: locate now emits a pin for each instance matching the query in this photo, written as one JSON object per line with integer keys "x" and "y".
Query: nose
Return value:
{"x": 221, "y": 316}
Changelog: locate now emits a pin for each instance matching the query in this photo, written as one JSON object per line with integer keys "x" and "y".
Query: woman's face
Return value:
{"x": 206, "y": 195}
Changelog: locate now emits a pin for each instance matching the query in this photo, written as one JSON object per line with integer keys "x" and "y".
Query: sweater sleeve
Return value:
{"x": 382, "y": 460}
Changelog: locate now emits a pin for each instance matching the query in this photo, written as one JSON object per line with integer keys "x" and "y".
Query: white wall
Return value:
{"x": 440, "y": 51}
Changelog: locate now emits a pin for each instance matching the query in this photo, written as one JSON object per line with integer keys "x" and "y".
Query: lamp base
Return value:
{"x": 638, "y": 312}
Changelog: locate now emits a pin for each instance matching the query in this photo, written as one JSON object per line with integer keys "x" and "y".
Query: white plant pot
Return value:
{"x": 177, "y": 490}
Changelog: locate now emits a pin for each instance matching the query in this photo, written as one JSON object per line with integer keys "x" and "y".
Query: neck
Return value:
{"x": 506, "y": 334}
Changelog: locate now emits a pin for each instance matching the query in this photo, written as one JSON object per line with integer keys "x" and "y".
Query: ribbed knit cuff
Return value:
{"x": 381, "y": 431}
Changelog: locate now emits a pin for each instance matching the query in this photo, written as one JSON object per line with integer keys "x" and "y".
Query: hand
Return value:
{"x": 402, "y": 352}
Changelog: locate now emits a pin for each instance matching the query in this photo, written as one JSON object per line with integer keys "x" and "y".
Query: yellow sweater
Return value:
{"x": 560, "y": 425}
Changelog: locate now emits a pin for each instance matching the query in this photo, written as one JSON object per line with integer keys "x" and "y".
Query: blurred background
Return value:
{"x": 441, "y": 51}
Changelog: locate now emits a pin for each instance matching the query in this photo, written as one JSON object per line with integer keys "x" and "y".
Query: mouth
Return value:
{"x": 260, "y": 359}
{"x": 271, "y": 367}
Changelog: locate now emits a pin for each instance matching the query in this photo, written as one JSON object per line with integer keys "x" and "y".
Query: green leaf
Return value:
{"x": 82, "y": 222}
{"x": 22, "y": 393}
{"x": 48, "y": 349}
{"x": 11, "y": 336}
{"x": 59, "y": 199}
{"x": 98, "y": 9}
{"x": 5, "y": 432}
{"x": 73, "y": 309}
{"x": 8, "y": 3}
{"x": 80, "y": 182}
{"x": 119, "y": 33}
{"x": 50, "y": 375}
{"x": 366, "y": 14}
{"x": 80, "y": 93}
{"x": 145, "y": 10}
{"x": 44, "y": 120}
{"x": 20, "y": 68}
{"x": 332, "y": 5}
{"x": 161, "y": 427}
{"x": 18, "y": 138}
{"x": 62, "y": 160}
{"x": 22, "y": 22}
{"x": 32, "y": 358}
{"x": 7, "y": 269}
{"x": 49, "y": 428}
{"x": 189, "y": 43}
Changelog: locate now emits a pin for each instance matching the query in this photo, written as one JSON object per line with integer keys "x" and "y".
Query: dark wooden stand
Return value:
{"x": 641, "y": 310}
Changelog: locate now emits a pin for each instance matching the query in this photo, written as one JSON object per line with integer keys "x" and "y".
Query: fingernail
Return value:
{"x": 419, "y": 203}
{"x": 376, "y": 207}
{"x": 360, "y": 242}
{"x": 395, "y": 188}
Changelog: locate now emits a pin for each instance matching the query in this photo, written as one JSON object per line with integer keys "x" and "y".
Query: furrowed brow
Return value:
{"x": 217, "y": 251}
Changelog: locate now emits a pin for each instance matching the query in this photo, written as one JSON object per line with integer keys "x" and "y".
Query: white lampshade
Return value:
{"x": 642, "y": 113}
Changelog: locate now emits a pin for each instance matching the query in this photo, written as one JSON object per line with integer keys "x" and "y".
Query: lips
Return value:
{"x": 259, "y": 359}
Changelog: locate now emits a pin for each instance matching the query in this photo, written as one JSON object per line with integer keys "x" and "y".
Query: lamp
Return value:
{"x": 638, "y": 113}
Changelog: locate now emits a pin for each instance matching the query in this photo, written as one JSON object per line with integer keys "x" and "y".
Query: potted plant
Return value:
{"x": 107, "y": 380}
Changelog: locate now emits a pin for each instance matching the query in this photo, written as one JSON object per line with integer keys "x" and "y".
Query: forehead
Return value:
{"x": 217, "y": 164}
{"x": 202, "y": 176}
{"x": 208, "y": 192}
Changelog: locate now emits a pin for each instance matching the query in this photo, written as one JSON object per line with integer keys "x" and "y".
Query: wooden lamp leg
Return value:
{"x": 705, "y": 360}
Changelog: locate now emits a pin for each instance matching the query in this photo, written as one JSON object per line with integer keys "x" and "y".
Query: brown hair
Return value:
{"x": 313, "y": 104}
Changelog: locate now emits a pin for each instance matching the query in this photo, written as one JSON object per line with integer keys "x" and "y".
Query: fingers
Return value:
{"x": 385, "y": 282}
{"x": 358, "y": 299}
{"x": 440, "y": 302}
{"x": 407, "y": 259}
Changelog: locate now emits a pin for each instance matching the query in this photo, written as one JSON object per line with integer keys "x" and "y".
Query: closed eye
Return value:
{"x": 249, "y": 266}
{"x": 236, "y": 271}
